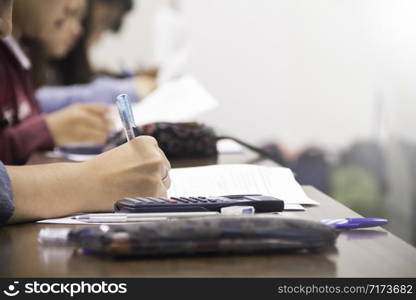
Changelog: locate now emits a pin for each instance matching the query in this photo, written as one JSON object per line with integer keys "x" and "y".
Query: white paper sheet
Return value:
{"x": 238, "y": 179}
{"x": 178, "y": 100}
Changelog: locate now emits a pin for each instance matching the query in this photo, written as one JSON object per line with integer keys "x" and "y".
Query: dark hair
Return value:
{"x": 126, "y": 6}
{"x": 75, "y": 67}
{"x": 39, "y": 59}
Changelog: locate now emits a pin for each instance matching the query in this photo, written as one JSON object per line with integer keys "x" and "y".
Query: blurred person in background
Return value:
{"x": 45, "y": 191}
{"x": 71, "y": 79}
{"x": 23, "y": 128}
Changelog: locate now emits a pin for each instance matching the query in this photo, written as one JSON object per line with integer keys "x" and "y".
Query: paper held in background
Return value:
{"x": 179, "y": 100}
{"x": 238, "y": 179}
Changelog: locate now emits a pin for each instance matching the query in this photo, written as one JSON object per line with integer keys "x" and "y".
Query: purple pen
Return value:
{"x": 351, "y": 223}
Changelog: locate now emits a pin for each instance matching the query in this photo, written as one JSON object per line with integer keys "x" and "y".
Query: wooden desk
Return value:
{"x": 359, "y": 253}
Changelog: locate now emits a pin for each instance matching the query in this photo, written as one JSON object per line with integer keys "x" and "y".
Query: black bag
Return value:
{"x": 176, "y": 139}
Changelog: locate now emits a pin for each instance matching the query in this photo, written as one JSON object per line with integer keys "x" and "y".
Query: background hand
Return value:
{"x": 79, "y": 123}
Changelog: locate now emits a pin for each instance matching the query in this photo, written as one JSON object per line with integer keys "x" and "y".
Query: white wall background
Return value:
{"x": 321, "y": 72}
{"x": 132, "y": 47}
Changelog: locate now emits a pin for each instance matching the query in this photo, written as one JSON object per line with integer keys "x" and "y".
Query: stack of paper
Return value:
{"x": 238, "y": 179}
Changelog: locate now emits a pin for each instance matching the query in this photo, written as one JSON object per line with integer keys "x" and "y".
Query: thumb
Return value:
{"x": 95, "y": 108}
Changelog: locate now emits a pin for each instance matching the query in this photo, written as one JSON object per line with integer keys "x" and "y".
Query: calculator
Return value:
{"x": 187, "y": 204}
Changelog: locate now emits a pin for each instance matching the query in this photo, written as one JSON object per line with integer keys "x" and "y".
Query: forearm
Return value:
{"x": 137, "y": 168}
{"x": 53, "y": 190}
{"x": 102, "y": 90}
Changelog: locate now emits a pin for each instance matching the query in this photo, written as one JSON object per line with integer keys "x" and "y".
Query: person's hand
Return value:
{"x": 151, "y": 71}
{"x": 79, "y": 123}
{"x": 145, "y": 85}
{"x": 138, "y": 168}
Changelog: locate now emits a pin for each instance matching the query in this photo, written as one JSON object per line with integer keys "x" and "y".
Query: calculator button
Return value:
{"x": 145, "y": 200}
{"x": 133, "y": 200}
{"x": 162, "y": 200}
{"x": 172, "y": 201}
{"x": 188, "y": 199}
{"x": 183, "y": 201}
{"x": 157, "y": 200}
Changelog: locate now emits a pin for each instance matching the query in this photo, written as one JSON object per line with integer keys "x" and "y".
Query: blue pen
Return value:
{"x": 351, "y": 223}
{"x": 126, "y": 115}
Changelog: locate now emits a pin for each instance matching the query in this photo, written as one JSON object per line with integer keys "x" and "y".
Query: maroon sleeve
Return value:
{"x": 18, "y": 142}
{"x": 19, "y": 138}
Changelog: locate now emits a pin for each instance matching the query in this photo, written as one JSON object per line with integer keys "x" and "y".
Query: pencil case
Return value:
{"x": 202, "y": 236}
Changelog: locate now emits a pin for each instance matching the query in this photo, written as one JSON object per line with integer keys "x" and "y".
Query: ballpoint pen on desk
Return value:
{"x": 139, "y": 217}
{"x": 351, "y": 223}
{"x": 126, "y": 115}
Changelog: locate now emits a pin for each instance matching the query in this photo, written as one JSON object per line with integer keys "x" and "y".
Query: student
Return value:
{"x": 46, "y": 191}
{"x": 73, "y": 79}
{"x": 23, "y": 129}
